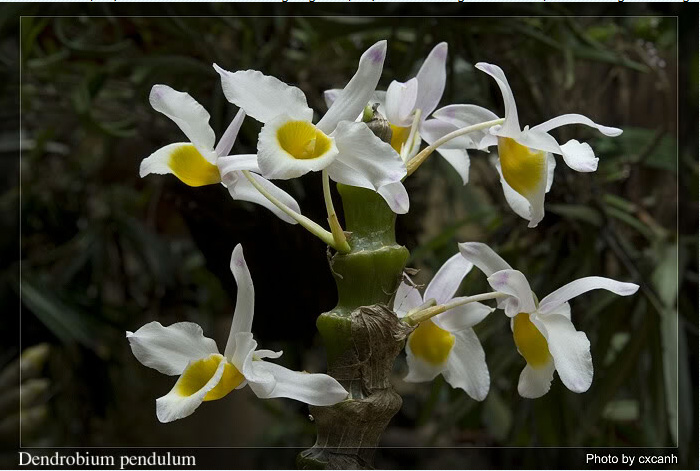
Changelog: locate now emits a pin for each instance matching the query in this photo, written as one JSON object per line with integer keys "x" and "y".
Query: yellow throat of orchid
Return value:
{"x": 192, "y": 168}
{"x": 530, "y": 342}
{"x": 399, "y": 136}
{"x": 198, "y": 373}
{"x": 302, "y": 140}
{"x": 431, "y": 343}
{"x": 523, "y": 169}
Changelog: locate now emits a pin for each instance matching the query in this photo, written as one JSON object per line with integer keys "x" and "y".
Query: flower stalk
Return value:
{"x": 305, "y": 222}
{"x": 424, "y": 313}
{"x": 422, "y": 156}
{"x": 341, "y": 243}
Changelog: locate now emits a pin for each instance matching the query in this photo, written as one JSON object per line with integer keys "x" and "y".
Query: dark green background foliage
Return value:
{"x": 104, "y": 251}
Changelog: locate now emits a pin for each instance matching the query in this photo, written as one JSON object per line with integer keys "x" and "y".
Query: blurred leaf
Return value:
{"x": 631, "y": 221}
{"x": 617, "y": 343}
{"x": 622, "y": 410}
{"x": 665, "y": 279}
{"x": 64, "y": 322}
{"x": 670, "y": 347}
{"x": 577, "y": 213}
{"x": 31, "y": 28}
{"x": 497, "y": 415}
{"x": 665, "y": 276}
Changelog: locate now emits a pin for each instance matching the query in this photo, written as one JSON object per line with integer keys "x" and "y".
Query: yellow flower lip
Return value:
{"x": 199, "y": 372}
{"x": 399, "y": 136}
{"x": 523, "y": 169}
{"x": 530, "y": 342}
{"x": 188, "y": 164}
{"x": 431, "y": 343}
{"x": 302, "y": 140}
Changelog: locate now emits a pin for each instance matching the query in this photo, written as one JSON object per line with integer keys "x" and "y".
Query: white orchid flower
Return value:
{"x": 205, "y": 374}
{"x": 290, "y": 145}
{"x": 198, "y": 162}
{"x": 525, "y": 155}
{"x": 446, "y": 343}
{"x": 407, "y": 106}
{"x": 543, "y": 332}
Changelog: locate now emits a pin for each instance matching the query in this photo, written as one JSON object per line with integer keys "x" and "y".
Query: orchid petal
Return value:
{"x": 241, "y": 189}
{"x": 462, "y": 116}
{"x": 462, "y": 317}
{"x": 260, "y": 354}
{"x": 419, "y": 370}
{"x": 245, "y": 300}
{"x": 526, "y": 172}
{"x": 483, "y": 257}
{"x": 453, "y": 151}
{"x": 579, "y": 156}
{"x": 263, "y": 97}
{"x": 563, "y": 310}
{"x": 407, "y": 297}
{"x": 175, "y": 405}
{"x": 183, "y": 160}
{"x": 535, "y": 382}
{"x": 558, "y": 297}
{"x": 356, "y": 94}
{"x": 446, "y": 281}
{"x": 571, "y": 351}
{"x": 188, "y": 114}
{"x": 329, "y": 96}
{"x": 466, "y": 365}
{"x": 227, "y": 140}
{"x": 572, "y": 118}
{"x": 489, "y": 140}
{"x": 232, "y": 163}
{"x": 538, "y": 141}
{"x": 511, "y": 125}
{"x": 433, "y": 129}
{"x": 514, "y": 283}
{"x": 431, "y": 80}
{"x": 396, "y": 197}
{"x": 459, "y": 160}
{"x": 244, "y": 358}
{"x": 363, "y": 157}
{"x": 400, "y": 101}
{"x": 517, "y": 202}
{"x": 312, "y": 389}
{"x": 170, "y": 349}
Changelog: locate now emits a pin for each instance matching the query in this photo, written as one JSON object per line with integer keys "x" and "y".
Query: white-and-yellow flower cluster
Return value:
{"x": 444, "y": 342}
{"x": 343, "y": 148}
{"x": 407, "y": 107}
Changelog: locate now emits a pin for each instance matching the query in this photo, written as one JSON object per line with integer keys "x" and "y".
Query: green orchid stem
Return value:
{"x": 370, "y": 272}
{"x": 362, "y": 336}
{"x": 341, "y": 242}
{"x": 305, "y": 222}
{"x": 422, "y": 315}
{"x": 416, "y": 161}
